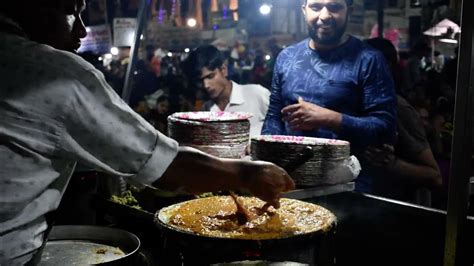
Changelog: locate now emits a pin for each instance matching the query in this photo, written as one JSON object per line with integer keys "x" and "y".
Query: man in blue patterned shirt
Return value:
{"x": 332, "y": 85}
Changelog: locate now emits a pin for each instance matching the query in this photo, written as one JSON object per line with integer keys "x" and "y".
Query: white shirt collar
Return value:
{"x": 236, "y": 96}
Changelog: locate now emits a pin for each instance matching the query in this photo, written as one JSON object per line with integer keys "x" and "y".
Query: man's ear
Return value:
{"x": 303, "y": 9}
{"x": 225, "y": 70}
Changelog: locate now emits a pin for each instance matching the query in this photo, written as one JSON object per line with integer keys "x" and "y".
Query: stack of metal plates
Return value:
{"x": 222, "y": 134}
{"x": 285, "y": 150}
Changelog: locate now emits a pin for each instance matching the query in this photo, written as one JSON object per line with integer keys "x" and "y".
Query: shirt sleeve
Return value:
{"x": 103, "y": 132}
{"x": 411, "y": 134}
{"x": 273, "y": 124}
{"x": 265, "y": 101}
{"x": 377, "y": 122}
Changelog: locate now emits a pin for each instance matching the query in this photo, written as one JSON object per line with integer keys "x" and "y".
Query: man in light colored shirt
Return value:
{"x": 206, "y": 67}
{"x": 56, "y": 109}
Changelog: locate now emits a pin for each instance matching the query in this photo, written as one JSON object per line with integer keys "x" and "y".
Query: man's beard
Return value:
{"x": 327, "y": 40}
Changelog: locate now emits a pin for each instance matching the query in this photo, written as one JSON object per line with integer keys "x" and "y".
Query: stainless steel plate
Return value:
{"x": 72, "y": 252}
{"x": 86, "y": 245}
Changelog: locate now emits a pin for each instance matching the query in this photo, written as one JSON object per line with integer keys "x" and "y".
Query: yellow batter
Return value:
{"x": 216, "y": 217}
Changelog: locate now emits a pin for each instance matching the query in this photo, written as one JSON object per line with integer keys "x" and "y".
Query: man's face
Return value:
{"x": 163, "y": 107}
{"x": 62, "y": 26}
{"x": 214, "y": 81}
{"x": 326, "y": 20}
{"x": 425, "y": 116}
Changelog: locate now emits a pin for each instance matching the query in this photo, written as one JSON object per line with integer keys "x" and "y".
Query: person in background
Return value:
{"x": 450, "y": 70}
{"x": 158, "y": 116}
{"x": 57, "y": 110}
{"x": 246, "y": 65}
{"x": 233, "y": 68}
{"x": 259, "y": 71}
{"x": 145, "y": 83}
{"x": 409, "y": 164}
{"x": 206, "y": 67}
{"x": 115, "y": 76}
{"x": 334, "y": 86}
{"x": 186, "y": 101}
{"x": 414, "y": 72}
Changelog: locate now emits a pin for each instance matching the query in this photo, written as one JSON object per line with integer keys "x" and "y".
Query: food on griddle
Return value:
{"x": 216, "y": 217}
{"x": 101, "y": 251}
{"x": 105, "y": 254}
{"x": 127, "y": 199}
{"x": 205, "y": 195}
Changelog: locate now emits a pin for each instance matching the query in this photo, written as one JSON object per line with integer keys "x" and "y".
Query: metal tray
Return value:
{"x": 86, "y": 245}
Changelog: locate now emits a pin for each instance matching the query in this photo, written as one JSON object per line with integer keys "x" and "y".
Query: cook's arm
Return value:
{"x": 194, "y": 172}
{"x": 101, "y": 131}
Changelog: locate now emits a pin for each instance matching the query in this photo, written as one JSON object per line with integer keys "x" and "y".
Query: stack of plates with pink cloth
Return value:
{"x": 328, "y": 154}
{"x": 222, "y": 134}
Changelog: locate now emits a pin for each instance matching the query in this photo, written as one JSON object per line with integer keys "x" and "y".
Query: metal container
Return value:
{"x": 327, "y": 155}
{"x": 85, "y": 245}
{"x": 222, "y": 134}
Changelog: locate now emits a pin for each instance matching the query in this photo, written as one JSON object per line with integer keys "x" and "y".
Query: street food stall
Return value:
{"x": 359, "y": 229}
{"x": 369, "y": 230}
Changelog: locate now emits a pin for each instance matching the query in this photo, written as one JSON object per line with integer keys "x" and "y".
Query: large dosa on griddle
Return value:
{"x": 216, "y": 217}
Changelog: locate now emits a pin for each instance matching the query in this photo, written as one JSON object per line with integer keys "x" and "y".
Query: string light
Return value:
{"x": 114, "y": 51}
{"x": 265, "y": 9}
{"x": 192, "y": 22}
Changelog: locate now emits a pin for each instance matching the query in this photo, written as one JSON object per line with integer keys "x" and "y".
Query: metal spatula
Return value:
{"x": 243, "y": 215}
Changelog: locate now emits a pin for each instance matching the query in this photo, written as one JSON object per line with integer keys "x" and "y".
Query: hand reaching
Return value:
{"x": 308, "y": 116}
{"x": 383, "y": 156}
{"x": 266, "y": 181}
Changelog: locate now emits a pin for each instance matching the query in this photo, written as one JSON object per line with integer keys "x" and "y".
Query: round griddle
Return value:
{"x": 193, "y": 249}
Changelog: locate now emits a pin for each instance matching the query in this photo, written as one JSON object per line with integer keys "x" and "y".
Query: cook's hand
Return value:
{"x": 266, "y": 181}
{"x": 383, "y": 156}
{"x": 307, "y": 116}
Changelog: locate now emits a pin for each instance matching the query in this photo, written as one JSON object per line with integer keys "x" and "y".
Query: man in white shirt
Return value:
{"x": 56, "y": 109}
{"x": 206, "y": 67}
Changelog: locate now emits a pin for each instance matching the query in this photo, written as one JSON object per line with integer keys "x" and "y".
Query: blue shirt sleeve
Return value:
{"x": 377, "y": 124}
{"x": 273, "y": 124}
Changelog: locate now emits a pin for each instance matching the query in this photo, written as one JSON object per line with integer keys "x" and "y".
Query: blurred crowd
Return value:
{"x": 426, "y": 79}
{"x": 428, "y": 84}
{"x": 160, "y": 87}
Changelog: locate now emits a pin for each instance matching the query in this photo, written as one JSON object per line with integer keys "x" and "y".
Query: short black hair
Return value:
{"x": 205, "y": 56}
{"x": 348, "y": 2}
{"x": 26, "y": 18}
{"x": 16, "y": 9}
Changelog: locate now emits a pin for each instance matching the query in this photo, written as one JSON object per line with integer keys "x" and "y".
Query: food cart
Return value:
{"x": 370, "y": 230}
